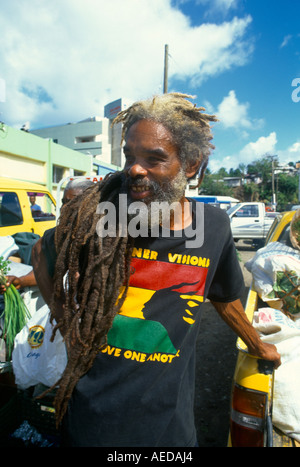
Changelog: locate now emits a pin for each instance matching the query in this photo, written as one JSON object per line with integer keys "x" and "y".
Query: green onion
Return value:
{"x": 15, "y": 312}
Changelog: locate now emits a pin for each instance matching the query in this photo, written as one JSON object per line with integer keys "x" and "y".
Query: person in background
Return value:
{"x": 34, "y": 207}
{"x": 73, "y": 188}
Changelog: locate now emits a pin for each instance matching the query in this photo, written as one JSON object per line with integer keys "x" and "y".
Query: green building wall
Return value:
{"x": 28, "y": 157}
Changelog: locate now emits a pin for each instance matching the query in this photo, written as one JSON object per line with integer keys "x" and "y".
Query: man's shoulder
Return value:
{"x": 213, "y": 212}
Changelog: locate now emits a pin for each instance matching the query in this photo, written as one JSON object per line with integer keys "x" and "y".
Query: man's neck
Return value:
{"x": 182, "y": 217}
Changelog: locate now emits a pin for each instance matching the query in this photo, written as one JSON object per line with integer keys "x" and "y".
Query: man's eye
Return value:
{"x": 154, "y": 160}
{"x": 128, "y": 157}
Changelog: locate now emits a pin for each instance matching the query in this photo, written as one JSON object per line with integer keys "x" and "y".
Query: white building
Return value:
{"x": 111, "y": 110}
{"x": 93, "y": 136}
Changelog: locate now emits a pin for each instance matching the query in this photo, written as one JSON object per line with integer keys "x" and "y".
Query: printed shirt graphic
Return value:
{"x": 161, "y": 304}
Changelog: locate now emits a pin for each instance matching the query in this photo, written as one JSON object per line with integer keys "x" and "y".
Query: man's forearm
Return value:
{"x": 234, "y": 315}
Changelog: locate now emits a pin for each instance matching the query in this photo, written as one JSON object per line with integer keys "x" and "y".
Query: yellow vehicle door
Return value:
{"x": 25, "y": 207}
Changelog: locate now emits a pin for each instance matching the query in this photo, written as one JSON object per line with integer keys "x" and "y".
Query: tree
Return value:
{"x": 251, "y": 192}
{"x": 263, "y": 168}
{"x": 213, "y": 186}
{"x": 286, "y": 189}
{"x": 285, "y": 185}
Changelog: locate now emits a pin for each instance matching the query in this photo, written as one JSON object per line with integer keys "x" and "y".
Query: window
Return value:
{"x": 10, "y": 209}
{"x": 85, "y": 139}
{"x": 57, "y": 173}
{"x": 78, "y": 173}
{"x": 42, "y": 207}
{"x": 248, "y": 211}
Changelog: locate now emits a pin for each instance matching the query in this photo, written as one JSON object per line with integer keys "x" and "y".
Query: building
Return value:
{"x": 93, "y": 136}
{"x": 111, "y": 110}
{"x": 88, "y": 136}
{"x": 27, "y": 157}
{"x": 233, "y": 182}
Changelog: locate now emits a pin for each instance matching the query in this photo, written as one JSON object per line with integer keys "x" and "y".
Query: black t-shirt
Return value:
{"x": 140, "y": 390}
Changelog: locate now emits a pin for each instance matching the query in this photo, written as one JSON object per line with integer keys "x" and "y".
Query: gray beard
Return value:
{"x": 157, "y": 211}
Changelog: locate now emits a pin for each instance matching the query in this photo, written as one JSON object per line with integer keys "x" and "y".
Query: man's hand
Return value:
{"x": 10, "y": 280}
{"x": 266, "y": 352}
{"x": 19, "y": 282}
{"x": 234, "y": 315}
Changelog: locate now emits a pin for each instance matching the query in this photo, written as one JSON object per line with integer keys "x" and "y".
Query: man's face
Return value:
{"x": 153, "y": 168}
{"x": 70, "y": 194}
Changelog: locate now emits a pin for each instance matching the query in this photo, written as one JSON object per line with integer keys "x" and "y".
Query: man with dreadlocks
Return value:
{"x": 129, "y": 305}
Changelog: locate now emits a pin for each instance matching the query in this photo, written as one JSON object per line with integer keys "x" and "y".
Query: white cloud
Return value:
{"x": 253, "y": 151}
{"x": 211, "y": 49}
{"x": 286, "y": 40}
{"x": 295, "y": 148}
{"x": 223, "y": 4}
{"x": 2, "y": 90}
{"x": 233, "y": 114}
{"x": 216, "y": 5}
{"x": 264, "y": 145}
{"x": 249, "y": 153}
{"x": 64, "y": 60}
{"x": 291, "y": 154}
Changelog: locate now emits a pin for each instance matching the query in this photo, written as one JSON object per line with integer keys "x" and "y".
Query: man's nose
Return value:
{"x": 136, "y": 169}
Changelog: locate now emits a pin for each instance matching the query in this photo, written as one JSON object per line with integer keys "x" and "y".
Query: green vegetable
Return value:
{"x": 296, "y": 230}
{"x": 15, "y": 311}
{"x": 286, "y": 287}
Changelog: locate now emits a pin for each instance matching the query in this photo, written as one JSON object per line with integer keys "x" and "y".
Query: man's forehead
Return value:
{"x": 149, "y": 135}
{"x": 148, "y": 128}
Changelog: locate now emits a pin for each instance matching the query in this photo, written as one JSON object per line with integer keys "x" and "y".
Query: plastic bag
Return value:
{"x": 33, "y": 299}
{"x": 35, "y": 359}
{"x": 8, "y": 246}
{"x": 276, "y": 277}
{"x": 277, "y": 329}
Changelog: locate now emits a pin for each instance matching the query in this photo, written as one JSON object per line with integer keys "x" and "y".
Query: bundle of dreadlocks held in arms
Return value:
{"x": 129, "y": 306}
{"x": 98, "y": 267}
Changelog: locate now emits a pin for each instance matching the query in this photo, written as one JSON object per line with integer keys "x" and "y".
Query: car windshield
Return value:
{"x": 233, "y": 208}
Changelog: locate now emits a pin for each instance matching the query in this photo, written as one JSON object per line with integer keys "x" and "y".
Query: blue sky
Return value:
{"x": 62, "y": 61}
{"x": 259, "y": 92}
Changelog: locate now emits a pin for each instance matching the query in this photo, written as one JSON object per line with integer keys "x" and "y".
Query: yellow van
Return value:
{"x": 25, "y": 207}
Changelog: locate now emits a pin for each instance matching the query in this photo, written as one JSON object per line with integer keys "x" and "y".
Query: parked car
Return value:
{"x": 25, "y": 207}
{"x": 250, "y": 221}
{"x": 253, "y": 382}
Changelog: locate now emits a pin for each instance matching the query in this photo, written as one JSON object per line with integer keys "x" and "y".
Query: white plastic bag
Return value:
{"x": 35, "y": 359}
{"x": 278, "y": 329}
{"x": 8, "y": 246}
{"x": 33, "y": 299}
{"x": 265, "y": 266}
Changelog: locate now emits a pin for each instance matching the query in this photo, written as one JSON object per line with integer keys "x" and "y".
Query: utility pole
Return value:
{"x": 274, "y": 201}
{"x": 273, "y": 186}
{"x": 166, "y": 69}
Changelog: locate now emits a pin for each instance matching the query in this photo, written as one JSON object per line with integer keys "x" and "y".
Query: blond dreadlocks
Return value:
{"x": 189, "y": 126}
{"x": 97, "y": 267}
